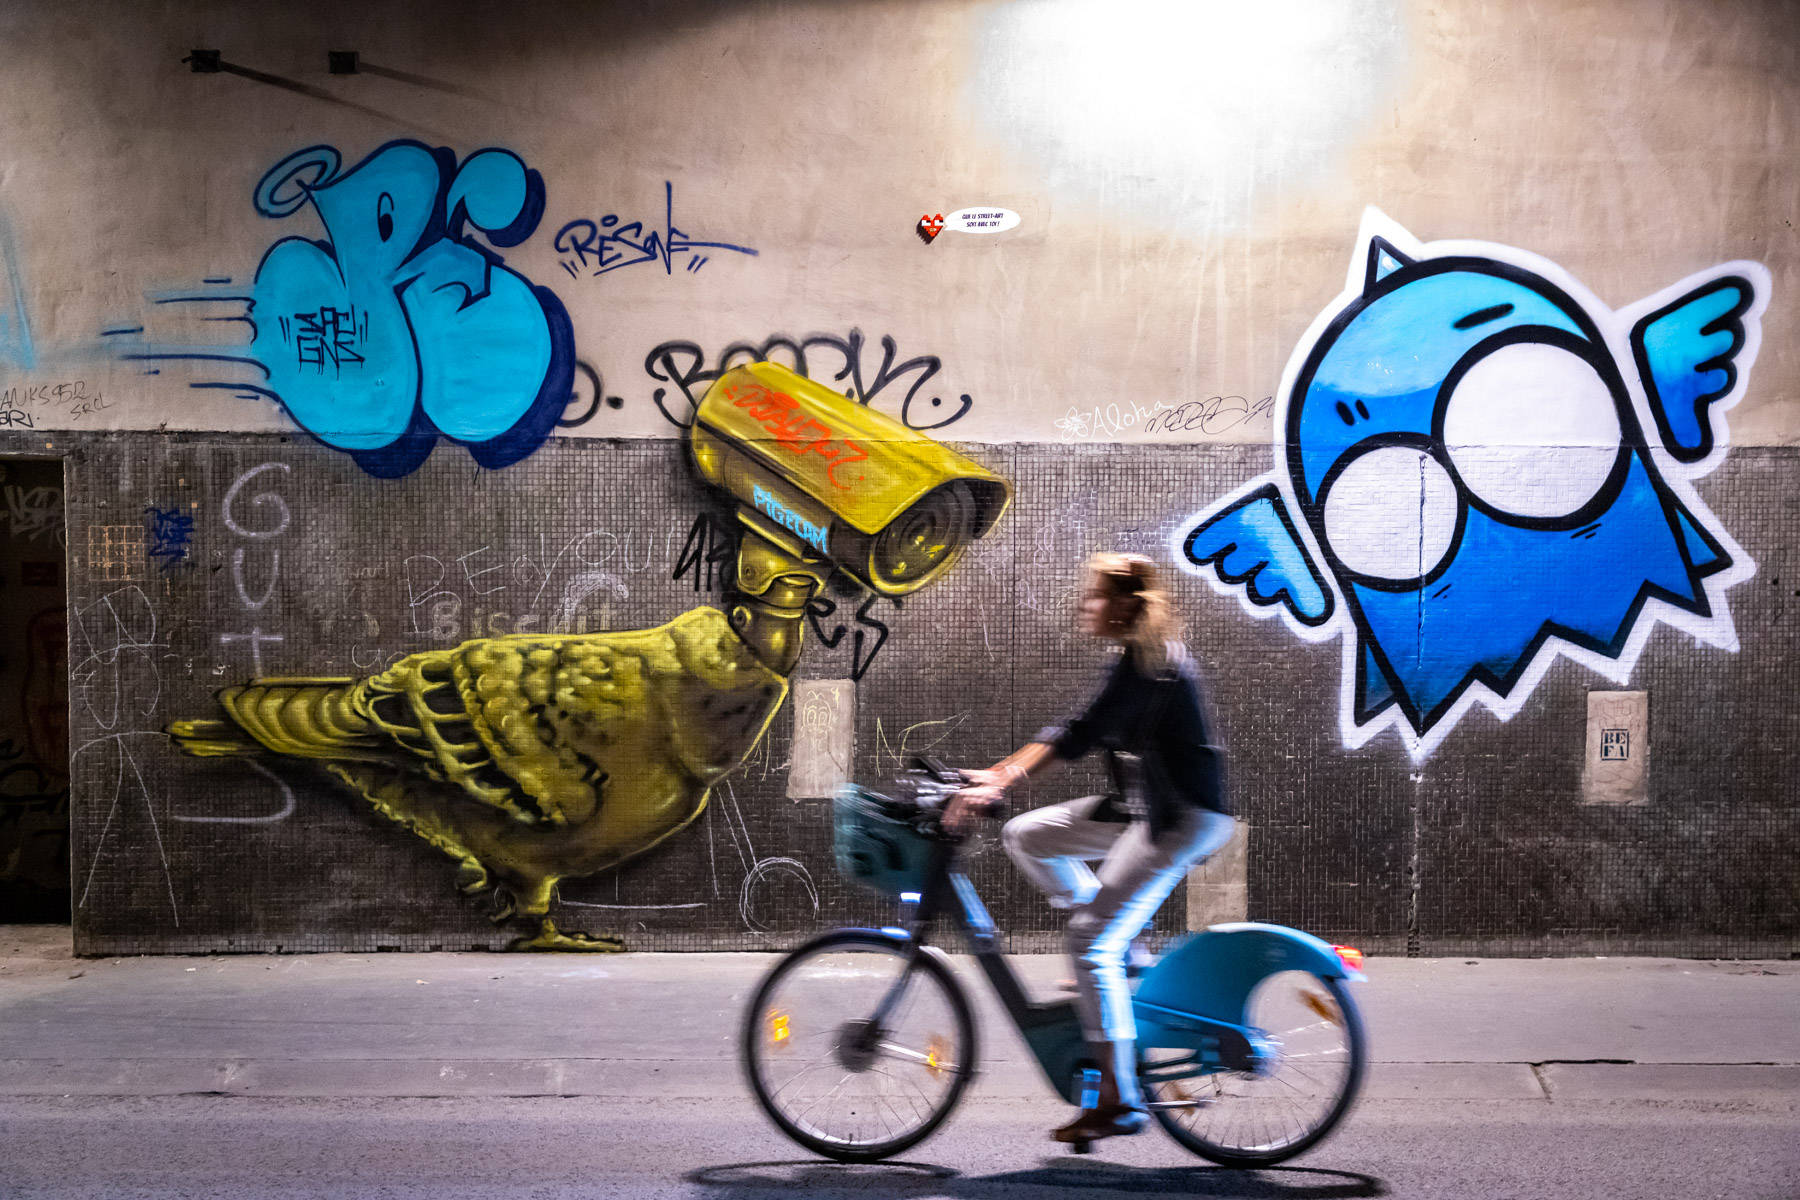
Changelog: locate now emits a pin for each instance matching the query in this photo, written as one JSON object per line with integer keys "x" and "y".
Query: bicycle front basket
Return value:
{"x": 873, "y": 846}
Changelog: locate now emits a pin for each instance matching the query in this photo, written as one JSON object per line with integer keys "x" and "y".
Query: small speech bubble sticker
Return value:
{"x": 981, "y": 220}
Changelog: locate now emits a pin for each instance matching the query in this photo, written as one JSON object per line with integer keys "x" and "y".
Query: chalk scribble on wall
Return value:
{"x": 537, "y": 757}
{"x": 399, "y": 326}
{"x": 1479, "y": 467}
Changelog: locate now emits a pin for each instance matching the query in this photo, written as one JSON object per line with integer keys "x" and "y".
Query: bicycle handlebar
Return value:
{"x": 938, "y": 772}
{"x": 929, "y": 785}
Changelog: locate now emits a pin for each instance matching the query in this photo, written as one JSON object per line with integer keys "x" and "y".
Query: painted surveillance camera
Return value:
{"x": 1479, "y": 467}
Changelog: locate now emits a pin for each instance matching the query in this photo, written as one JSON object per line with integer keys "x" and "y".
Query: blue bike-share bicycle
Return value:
{"x": 860, "y": 1043}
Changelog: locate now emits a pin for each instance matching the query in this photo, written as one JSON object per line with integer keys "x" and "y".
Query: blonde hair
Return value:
{"x": 1156, "y": 634}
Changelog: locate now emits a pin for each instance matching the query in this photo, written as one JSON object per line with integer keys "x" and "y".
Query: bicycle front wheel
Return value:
{"x": 835, "y": 1079}
{"x": 1310, "y": 1065}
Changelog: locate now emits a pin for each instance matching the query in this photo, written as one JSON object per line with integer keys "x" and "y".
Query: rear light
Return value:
{"x": 1350, "y": 956}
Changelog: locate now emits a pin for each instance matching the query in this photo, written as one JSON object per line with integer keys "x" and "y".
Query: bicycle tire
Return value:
{"x": 1233, "y": 1153}
{"x": 769, "y": 1005}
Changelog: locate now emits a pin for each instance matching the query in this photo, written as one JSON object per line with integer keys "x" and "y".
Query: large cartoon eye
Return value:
{"x": 1391, "y": 513}
{"x": 1532, "y": 430}
{"x": 384, "y": 216}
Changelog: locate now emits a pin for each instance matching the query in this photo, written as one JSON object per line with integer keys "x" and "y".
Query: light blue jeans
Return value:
{"x": 1053, "y": 846}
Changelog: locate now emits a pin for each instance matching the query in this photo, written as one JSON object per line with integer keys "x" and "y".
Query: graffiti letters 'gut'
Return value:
{"x": 1464, "y": 488}
{"x": 399, "y": 327}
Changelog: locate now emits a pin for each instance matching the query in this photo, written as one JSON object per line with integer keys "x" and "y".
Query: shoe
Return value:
{"x": 1109, "y": 1120}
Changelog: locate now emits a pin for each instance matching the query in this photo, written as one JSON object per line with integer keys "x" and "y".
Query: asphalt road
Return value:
{"x": 497, "y": 1076}
{"x": 494, "y": 1148}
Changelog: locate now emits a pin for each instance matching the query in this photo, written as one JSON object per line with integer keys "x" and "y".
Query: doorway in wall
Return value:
{"x": 34, "y": 694}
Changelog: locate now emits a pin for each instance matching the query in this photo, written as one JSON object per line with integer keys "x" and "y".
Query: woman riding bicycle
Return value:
{"x": 1166, "y": 812}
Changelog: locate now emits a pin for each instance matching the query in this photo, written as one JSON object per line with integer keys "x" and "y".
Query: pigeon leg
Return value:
{"x": 506, "y": 906}
{"x": 472, "y": 877}
{"x": 549, "y": 937}
{"x": 535, "y": 905}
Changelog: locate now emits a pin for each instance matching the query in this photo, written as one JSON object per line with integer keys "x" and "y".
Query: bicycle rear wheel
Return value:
{"x": 1312, "y": 1065}
{"x": 834, "y": 1081}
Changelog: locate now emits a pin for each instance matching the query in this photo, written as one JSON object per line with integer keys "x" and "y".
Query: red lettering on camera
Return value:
{"x": 792, "y": 428}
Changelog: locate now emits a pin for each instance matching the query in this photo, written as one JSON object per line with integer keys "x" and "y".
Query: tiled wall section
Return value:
{"x": 1482, "y": 849}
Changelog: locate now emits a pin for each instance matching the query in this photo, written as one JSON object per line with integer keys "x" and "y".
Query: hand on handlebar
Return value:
{"x": 971, "y": 804}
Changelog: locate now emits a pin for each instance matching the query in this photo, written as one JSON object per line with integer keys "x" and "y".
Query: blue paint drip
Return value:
{"x": 15, "y": 327}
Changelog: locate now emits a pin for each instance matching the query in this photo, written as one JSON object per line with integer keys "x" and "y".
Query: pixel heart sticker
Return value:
{"x": 929, "y": 227}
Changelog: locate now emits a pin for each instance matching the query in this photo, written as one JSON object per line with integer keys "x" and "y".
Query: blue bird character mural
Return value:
{"x": 400, "y": 326}
{"x": 1479, "y": 467}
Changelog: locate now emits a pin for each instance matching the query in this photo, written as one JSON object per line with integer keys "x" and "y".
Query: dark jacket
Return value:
{"x": 1161, "y": 717}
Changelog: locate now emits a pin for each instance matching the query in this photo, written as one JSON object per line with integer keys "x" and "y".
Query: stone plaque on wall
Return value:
{"x": 824, "y": 737}
{"x": 1219, "y": 888}
{"x": 1617, "y": 770}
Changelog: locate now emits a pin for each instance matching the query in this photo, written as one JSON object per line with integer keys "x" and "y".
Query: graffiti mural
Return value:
{"x": 170, "y": 536}
{"x": 1479, "y": 468}
{"x": 34, "y": 514}
{"x": 826, "y": 357}
{"x": 399, "y": 327}
{"x": 536, "y": 757}
{"x": 34, "y": 696}
{"x": 596, "y": 247}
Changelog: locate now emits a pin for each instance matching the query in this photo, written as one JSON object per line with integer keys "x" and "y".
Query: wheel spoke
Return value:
{"x": 923, "y": 1059}
{"x": 797, "y": 1076}
{"x": 848, "y": 1076}
{"x": 914, "y": 1086}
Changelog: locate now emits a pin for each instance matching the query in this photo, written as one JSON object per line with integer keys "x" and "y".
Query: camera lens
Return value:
{"x": 925, "y": 539}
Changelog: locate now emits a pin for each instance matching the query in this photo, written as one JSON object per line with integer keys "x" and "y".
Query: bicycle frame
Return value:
{"x": 1193, "y": 999}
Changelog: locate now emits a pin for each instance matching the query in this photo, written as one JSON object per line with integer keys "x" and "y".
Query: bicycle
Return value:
{"x": 860, "y": 1043}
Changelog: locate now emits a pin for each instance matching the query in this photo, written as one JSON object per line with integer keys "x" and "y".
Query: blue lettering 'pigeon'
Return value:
{"x": 1480, "y": 467}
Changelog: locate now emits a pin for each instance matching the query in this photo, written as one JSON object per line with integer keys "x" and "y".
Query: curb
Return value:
{"x": 651, "y": 1079}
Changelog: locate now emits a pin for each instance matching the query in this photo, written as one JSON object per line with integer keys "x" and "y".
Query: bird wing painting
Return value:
{"x": 1479, "y": 468}
{"x": 528, "y": 758}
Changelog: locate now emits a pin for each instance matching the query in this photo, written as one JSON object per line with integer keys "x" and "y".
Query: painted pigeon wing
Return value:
{"x": 1687, "y": 355}
{"x": 1252, "y": 541}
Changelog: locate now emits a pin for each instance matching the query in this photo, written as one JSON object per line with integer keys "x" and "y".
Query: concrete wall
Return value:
{"x": 1197, "y": 339}
{"x": 1189, "y": 178}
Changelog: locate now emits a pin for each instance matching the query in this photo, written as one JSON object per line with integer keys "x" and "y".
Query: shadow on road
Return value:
{"x": 1073, "y": 1177}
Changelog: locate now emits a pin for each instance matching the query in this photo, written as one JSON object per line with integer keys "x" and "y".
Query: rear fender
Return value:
{"x": 1213, "y": 972}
